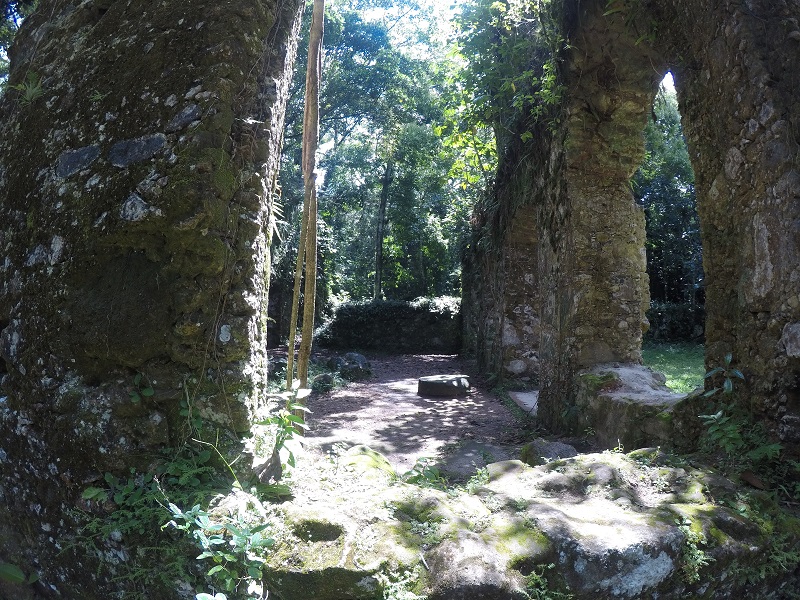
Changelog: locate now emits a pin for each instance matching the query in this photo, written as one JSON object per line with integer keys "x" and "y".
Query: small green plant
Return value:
{"x": 728, "y": 373}
{"x": 743, "y": 443}
{"x": 537, "y": 587}
{"x": 30, "y": 89}
{"x": 138, "y": 505}
{"x": 233, "y": 546}
{"x": 398, "y": 586}
{"x": 425, "y": 473}
{"x": 194, "y": 422}
{"x": 693, "y": 558}
{"x": 98, "y": 96}
{"x": 782, "y": 555}
{"x": 140, "y": 390}
{"x": 480, "y": 478}
{"x": 288, "y": 422}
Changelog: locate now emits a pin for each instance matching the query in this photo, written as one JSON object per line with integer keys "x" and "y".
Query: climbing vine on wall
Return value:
{"x": 510, "y": 50}
{"x": 512, "y": 54}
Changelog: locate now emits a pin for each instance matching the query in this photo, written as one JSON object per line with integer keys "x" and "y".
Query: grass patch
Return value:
{"x": 682, "y": 363}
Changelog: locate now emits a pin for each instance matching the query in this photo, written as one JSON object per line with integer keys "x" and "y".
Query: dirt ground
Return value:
{"x": 386, "y": 414}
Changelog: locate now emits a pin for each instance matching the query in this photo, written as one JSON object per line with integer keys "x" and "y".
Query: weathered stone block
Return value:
{"x": 443, "y": 385}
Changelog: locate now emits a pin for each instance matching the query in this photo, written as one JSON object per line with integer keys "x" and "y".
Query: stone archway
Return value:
{"x": 737, "y": 88}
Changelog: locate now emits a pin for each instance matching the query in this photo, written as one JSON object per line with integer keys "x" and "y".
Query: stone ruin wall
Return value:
{"x": 502, "y": 297}
{"x": 136, "y": 191}
{"x": 737, "y": 81}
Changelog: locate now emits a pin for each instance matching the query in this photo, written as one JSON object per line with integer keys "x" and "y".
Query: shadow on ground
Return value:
{"x": 386, "y": 414}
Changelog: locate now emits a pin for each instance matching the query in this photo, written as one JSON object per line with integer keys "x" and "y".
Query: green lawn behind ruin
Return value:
{"x": 681, "y": 362}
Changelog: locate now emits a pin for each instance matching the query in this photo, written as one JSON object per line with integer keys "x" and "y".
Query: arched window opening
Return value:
{"x": 664, "y": 187}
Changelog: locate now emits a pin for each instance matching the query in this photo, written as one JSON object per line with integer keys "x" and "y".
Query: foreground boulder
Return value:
{"x": 594, "y": 526}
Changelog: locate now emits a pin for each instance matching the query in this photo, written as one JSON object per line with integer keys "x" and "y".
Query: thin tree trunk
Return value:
{"x": 386, "y": 181}
{"x": 310, "y": 142}
{"x": 298, "y": 276}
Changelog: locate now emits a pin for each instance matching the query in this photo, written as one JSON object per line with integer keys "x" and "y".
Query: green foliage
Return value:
{"x": 664, "y": 187}
{"x": 11, "y": 573}
{"x": 399, "y": 585}
{"x": 12, "y": 13}
{"x": 743, "y": 442}
{"x": 194, "y": 422}
{"x": 776, "y": 526}
{"x": 30, "y": 89}
{"x": 728, "y": 374}
{"x": 693, "y": 557}
{"x": 682, "y": 363}
{"x": 234, "y": 546}
{"x": 381, "y": 109}
{"x": 786, "y": 477}
{"x": 288, "y": 424}
{"x": 425, "y": 473}
{"x": 424, "y": 325}
{"x": 537, "y": 586}
{"x": 480, "y": 478}
{"x": 140, "y": 391}
{"x": 511, "y": 50}
{"x": 132, "y": 509}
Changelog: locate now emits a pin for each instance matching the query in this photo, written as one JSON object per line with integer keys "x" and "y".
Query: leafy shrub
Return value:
{"x": 424, "y": 325}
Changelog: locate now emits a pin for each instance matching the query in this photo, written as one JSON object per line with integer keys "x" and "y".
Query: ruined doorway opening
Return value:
{"x": 663, "y": 186}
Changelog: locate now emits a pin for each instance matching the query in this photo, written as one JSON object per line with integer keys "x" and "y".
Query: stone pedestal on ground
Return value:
{"x": 443, "y": 385}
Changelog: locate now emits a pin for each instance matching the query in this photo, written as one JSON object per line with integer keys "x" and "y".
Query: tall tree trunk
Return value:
{"x": 298, "y": 276}
{"x": 386, "y": 182}
{"x": 310, "y": 142}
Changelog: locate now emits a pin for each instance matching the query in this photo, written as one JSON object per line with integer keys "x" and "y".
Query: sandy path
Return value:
{"x": 386, "y": 414}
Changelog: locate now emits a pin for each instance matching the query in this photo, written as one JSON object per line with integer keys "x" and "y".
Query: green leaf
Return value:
{"x": 93, "y": 493}
{"x": 737, "y": 373}
{"x": 713, "y": 372}
{"x": 254, "y": 573}
{"x": 216, "y": 569}
{"x": 728, "y": 358}
{"x": 148, "y": 391}
{"x": 11, "y": 573}
{"x": 728, "y": 386}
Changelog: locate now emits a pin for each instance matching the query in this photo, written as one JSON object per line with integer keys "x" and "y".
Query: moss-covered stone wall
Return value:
{"x": 737, "y": 81}
{"x": 735, "y": 68}
{"x": 139, "y": 144}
